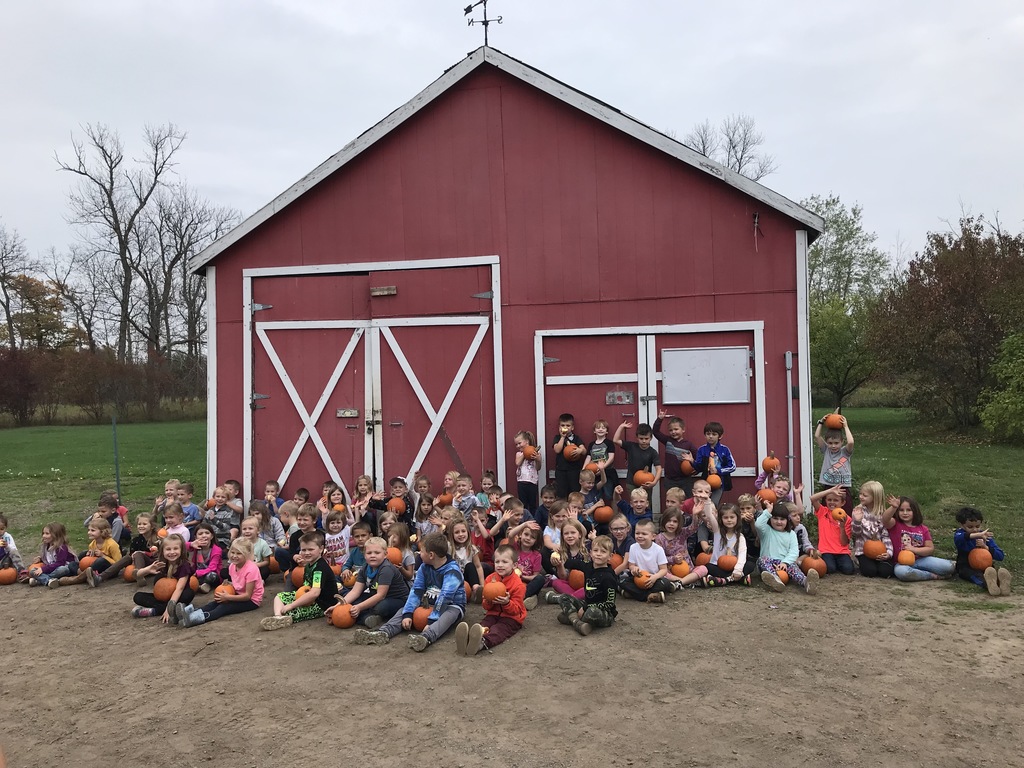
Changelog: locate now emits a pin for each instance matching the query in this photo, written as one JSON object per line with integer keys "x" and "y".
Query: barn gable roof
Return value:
{"x": 534, "y": 77}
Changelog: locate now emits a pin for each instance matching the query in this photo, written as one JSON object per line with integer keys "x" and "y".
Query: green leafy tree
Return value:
{"x": 842, "y": 359}
{"x": 843, "y": 262}
{"x": 1003, "y": 411}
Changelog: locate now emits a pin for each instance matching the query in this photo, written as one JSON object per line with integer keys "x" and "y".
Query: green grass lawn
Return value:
{"x": 58, "y": 473}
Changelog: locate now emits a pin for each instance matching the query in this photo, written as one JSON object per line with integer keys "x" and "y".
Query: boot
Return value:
{"x": 65, "y": 581}
{"x": 115, "y": 569}
{"x": 582, "y": 627}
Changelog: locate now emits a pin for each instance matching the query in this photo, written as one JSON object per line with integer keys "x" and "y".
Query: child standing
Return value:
{"x": 867, "y": 525}
{"x": 969, "y": 536}
{"x": 834, "y": 530}
{"x": 567, "y": 468}
{"x": 601, "y": 451}
{"x": 527, "y": 469}
{"x": 438, "y": 578}
{"x": 504, "y": 615}
{"x": 318, "y": 580}
{"x": 779, "y": 550}
{"x": 677, "y": 450}
{"x": 836, "y": 468}
{"x": 646, "y": 557}
{"x": 192, "y": 514}
{"x": 245, "y": 580}
{"x": 597, "y": 609}
{"x": 171, "y": 563}
{"x": 465, "y": 498}
{"x": 640, "y": 456}
{"x": 55, "y": 557}
{"x": 380, "y": 589}
{"x": 908, "y": 533}
{"x": 715, "y": 458}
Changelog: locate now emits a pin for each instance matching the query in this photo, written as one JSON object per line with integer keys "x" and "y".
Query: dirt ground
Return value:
{"x": 864, "y": 674}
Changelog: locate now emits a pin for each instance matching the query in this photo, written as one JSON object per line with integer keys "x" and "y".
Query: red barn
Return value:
{"x": 498, "y": 250}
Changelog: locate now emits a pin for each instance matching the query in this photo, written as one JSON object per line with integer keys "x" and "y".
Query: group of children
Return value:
{"x": 411, "y": 561}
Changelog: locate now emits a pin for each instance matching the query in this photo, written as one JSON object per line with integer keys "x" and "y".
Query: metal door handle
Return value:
{"x": 395, "y": 423}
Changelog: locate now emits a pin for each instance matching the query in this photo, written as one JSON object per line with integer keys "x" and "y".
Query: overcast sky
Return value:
{"x": 912, "y": 109}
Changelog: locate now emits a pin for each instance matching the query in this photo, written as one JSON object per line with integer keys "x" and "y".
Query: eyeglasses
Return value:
{"x": 619, "y": 529}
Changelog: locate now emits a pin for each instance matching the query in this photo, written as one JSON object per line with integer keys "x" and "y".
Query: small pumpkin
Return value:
{"x": 420, "y": 617}
{"x": 395, "y": 555}
{"x": 906, "y": 557}
{"x": 336, "y": 569}
{"x": 128, "y": 574}
{"x": 193, "y": 583}
{"x": 8, "y": 576}
{"x": 604, "y": 514}
{"x": 642, "y": 477}
{"x": 715, "y": 481}
{"x": 979, "y": 559}
{"x": 702, "y": 559}
{"x": 641, "y": 579}
{"x": 301, "y": 591}
{"x": 615, "y": 560}
{"x": 783, "y": 575}
{"x": 494, "y": 589}
{"x": 341, "y": 616}
{"x": 338, "y": 508}
{"x": 686, "y": 467}
{"x": 814, "y": 563}
{"x": 210, "y": 504}
{"x": 273, "y": 565}
{"x": 833, "y": 421}
{"x": 681, "y": 570}
{"x": 570, "y": 452}
{"x": 164, "y": 588}
{"x": 162, "y": 533}
{"x": 838, "y": 514}
{"x": 529, "y": 452}
{"x": 298, "y": 575}
{"x": 396, "y": 505}
{"x": 767, "y": 495}
{"x": 85, "y": 562}
{"x": 350, "y": 580}
{"x": 770, "y": 463}
{"x": 225, "y": 589}
{"x": 727, "y": 562}
{"x": 577, "y": 579}
{"x": 445, "y": 500}
{"x": 592, "y": 466}
{"x": 874, "y": 548}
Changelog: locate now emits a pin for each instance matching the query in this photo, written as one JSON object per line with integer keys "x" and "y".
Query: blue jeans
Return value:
{"x": 838, "y": 563}
{"x": 926, "y": 568}
{"x": 71, "y": 569}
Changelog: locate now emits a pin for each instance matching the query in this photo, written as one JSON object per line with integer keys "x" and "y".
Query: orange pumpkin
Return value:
{"x": 86, "y": 562}
{"x": 445, "y": 500}
{"x": 396, "y": 505}
{"x": 686, "y": 467}
{"x": 703, "y": 558}
{"x": 469, "y": 591}
{"x": 210, "y": 504}
{"x": 494, "y": 590}
{"x": 8, "y": 576}
{"x": 395, "y": 555}
{"x": 642, "y": 477}
{"x": 979, "y": 559}
{"x": 833, "y": 421}
{"x": 350, "y": 580}
{"x": 225, "y": 589}
{"x": 336, "y": 569}
{"x": 193, "y": 583}
{"x": 727, "y": 562}
{"x": 682, "y": 570}
{"x": 338, "y": 508}
{"x": 128, "y": 574}
{"x": 420, "y": 616}
{"x": 615, "y": 560}
{"x": 874, "y": 548}
{"x": 273, "y": 565}
{"x": 715, "y": 481}
{"x": 529, "y": 452}
{"x": 298, "y": 574}
{"x": 301, "y": 591}
{"x": 814, "y": 563}
{"x": 604, "y": 514}
{"x": 341, "y": 616}
{"x": 783, "y": 575}
{"x": 641, "y": 579}
{"x": 570, "y": 452}
{"x": 767, "y": 495}
{"x": 577, "y": 579}
{"x": 838, "y": 514}
{"x": 592, "y": 466}
{"x": 906, "y": 557}
{"x": 164, "y": 588}
{"x": 770, "y": 463}
{"x": 162, "y": 533}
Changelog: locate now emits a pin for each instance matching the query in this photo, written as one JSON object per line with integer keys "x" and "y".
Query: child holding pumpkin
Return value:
{"x": 972, "y": 565}
{"x": 526, "y": 542}
{"x": 380, "y": 588}
{"x": 317, "y": 580}
{"x": 600, "y": 584}
{"x": 140, "y": 551}
{"x": 567, "y": 467}
{"x": 205, "y": 556}
{"x": 678, "y": 449}
{"x": 640, "y": 456}
{"x": 870, "y": 540}
{"x": 171, "y": 563}
{"x": 912, "y": 546}
{"x": 779, "y": 550}
{"x": 834, "y": 529}
{"x": 715, "y": 459}
{"x": 672, "y": 539}
{"x": 246, "y": 591}
{"x": 103, "y": 550}
{"x": 503, "y": 598}
{"x": 527, "y": 469}
{"x": 729, "y": 564}
{"x": 647, "y": 566}
{"x": 571, "y": 555}
{"x": 836, "y": 467}
{"x": 55, "y": 557}
{"x": 9, "y": 555}
{"x": 399, "y": 538}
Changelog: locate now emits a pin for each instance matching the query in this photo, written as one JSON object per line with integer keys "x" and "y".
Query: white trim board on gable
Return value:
{"x": 527, "y": 74}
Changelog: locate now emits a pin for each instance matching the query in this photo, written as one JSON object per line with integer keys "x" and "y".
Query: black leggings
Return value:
{"x": 148, "y": 600}
{"x": 880, "y": 569}
{"x": 639, "y": 593}
{"x": 214, "y": 611}
{"x": 469, "y": 573}
{"x": 527, "y": 493}
{"x": 534, "y": 586}
{"x": 721, "y": 573}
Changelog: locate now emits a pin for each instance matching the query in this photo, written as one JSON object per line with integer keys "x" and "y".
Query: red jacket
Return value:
{"x": 515, "y": 609}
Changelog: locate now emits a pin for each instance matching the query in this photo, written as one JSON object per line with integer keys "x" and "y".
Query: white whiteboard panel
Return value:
{"x": 705, "y": 375}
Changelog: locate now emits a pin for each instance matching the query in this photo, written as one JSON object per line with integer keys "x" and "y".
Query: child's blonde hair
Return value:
{"x": 676, "y": 493}
{"x": 102, "y": 525}
{"x": 242, "y": 545}
{"x": 369, "y": 483}
{"x": 576, "y": 497}
{"x": 602, "y": 543}
{"x": 874, "y": 488}
{"x": 451, "y": 475}
{"x": 746, "y": 500}
{"x": 639, "y": 493}
{"x": 399, "y": 534}
{"x": 702, "y": 484}
{"x": 582, "y": 543}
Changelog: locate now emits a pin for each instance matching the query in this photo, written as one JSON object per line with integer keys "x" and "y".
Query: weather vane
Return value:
{"x": 484, "y": 21}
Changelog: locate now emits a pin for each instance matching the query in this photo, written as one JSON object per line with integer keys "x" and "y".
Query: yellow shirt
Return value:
{"x": 109, "y": 550}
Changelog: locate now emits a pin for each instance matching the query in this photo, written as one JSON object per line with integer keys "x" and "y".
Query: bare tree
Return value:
{"x": 81, "y": 281}
{"x": 112, "y": 195}
{"x": 14, "y": 263}
{"x": 735, "y": 143}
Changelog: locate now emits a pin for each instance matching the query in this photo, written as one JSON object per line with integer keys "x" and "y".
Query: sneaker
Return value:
{"x": 373, "y": 621}
{"x": 656, "y": 597}
{"x": 139, "y": 612}
{"x": 205, "y": 588}
{"x": 53, "y": 583}
{"x": 476, "y": 640}
{"x": 812, "y": 581}
{"x": 714, "y": 581}
{"x": 530, "y": 603}
{"x": 991, "y": 581}
{"x": 370, "y": 637}
{"x": 172, "y": 611}
{"x": 477, "y": 595}
{"x": 747, "y": 580}
{"x": 584, "y": 628}
{"x": 461, "y": 638}
{"x": 773, "y": 582}
{"x": 419, "y": 643}
{"x": 563, "y": 618}
{"x": 91, "y": 577}
{"x": 270, "y": 623}
{"x": 33, "y": 582}
{"x": 677, "y": 586}
{"x": 551, "y": 597}
{"x": 192, "y": 618}
{"x": 1004, "y": 577}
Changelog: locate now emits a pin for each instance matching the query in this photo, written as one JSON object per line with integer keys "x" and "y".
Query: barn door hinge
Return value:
{"x": 552, "y": 360}
{"x": 484, "y": 295}
{"x": 647, "y": 398}
{"x": 257, "y": 396}
{"x": 258, "y": 307}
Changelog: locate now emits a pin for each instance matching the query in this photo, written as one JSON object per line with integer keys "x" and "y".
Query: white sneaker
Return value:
{"x": 772, "y": 581}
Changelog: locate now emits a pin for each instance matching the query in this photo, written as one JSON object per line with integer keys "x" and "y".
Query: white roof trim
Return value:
{"x": 607, "y": 114}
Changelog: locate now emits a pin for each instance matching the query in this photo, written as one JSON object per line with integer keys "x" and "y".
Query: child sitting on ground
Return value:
{"x": 205, "y": 556}
{"x": 597, "y": 609}
{"x": 245, "y": 581}
{"x": 192, "y": 514}
{"x": 380, "y": 589}
{"x": 779, "y": 550}
{"x": 9, "y": 555}
{"x": 970, "y": 536}
{"x": 261, "y": 552}
{"x": 305, "y": 520}
{"x": 102, "y": 548}
{"x": 637, "y": 508}
{"x": 171, "y": 563}
{"x": 225, "y": 516}
{"x": 834, "y": 529}
{"x": 55, "y": 556}
{"x": 438, "y": 578}
{"x": 361, "y": 532}
{"x": 318, "y": 582}
{"x": 909, "y": 534}
{"x": 504, "y": 615}
{"x": 647, "y": 564}
{"x": 867, "y": 526}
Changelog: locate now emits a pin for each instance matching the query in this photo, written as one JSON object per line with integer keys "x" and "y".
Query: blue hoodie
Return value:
{"x": 445, "y": 582}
